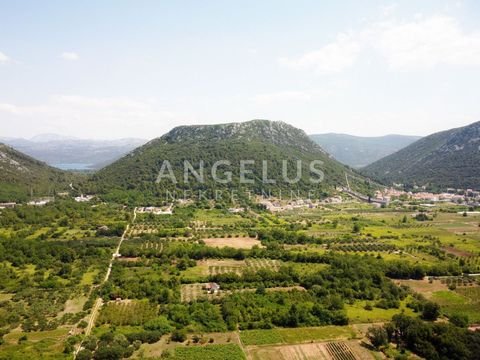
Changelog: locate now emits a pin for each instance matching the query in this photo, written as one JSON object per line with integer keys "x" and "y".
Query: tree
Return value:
{"x": 84, "y": 354}
{"x": 160, "y": 324}
{"x": 430, "y": 311}
{"x": 260, "y": 290}
{"x": 356, "y": 228}
{"x": 378, "y": 336}
{"x": 459, "y": 320}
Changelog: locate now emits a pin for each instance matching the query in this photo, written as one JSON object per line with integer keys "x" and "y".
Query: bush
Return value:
{"x": 459, "y": 320}
{"x": 82, "y": 324}
{"x": 179, "y": 336}
{"x": 160, "y": 324}
{"x": 84, "y": 354}
{"x": 430, "y": 311}
{"x": 378, "y": 336}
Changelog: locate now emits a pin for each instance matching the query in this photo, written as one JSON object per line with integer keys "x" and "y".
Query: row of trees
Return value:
{"x": 430, "y": 340}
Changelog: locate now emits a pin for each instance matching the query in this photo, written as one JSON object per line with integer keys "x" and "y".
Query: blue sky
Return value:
{"x": 110, "y": 69}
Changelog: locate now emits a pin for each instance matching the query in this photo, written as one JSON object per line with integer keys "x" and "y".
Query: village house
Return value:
{"x": 40, "y": 202}
{"x": 83, "y": 198}
{"x": 212, "y": 288}
{"x": 9, "y": 205}
{"x": 156, "y": 210}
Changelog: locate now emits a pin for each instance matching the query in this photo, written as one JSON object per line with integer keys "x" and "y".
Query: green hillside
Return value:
{"x": 22, "y": 176}
{"x": 134, "y": 176}
{"x": 448, "y": 159}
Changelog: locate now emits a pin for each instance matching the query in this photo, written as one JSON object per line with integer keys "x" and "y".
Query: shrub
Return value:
{"x": 179, "y": 336}
{"x": 378, "y": 336}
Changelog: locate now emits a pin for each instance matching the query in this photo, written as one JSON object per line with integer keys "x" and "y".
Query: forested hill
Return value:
{"x": 447, "y": 159}
{"x": 257, "y": 140}
{"x": 22, "y": 176}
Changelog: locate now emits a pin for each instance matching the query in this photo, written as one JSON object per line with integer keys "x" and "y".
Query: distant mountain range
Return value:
{"x": 445, "y": 159}
{"x": 22, "y": 176}
{"x": 71, "y": 153}
{"x": 357, "y": 151}
{"x": 134, "y": 175}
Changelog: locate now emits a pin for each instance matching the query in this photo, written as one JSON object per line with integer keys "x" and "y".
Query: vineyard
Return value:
{"x": 363, "y": 247}
{"x": 127, "y": 313}
{"x": 217, "y": 267}
{"x": 192, "y": 292}
{"x": 257, "y": 264}
{"x": 290, "y": 352}
{"x": 157, "y": 246}
{"x": 340, "y": 351}
{"x": 454, "y": 281}
{"x": 471, "y": 293}
{"x": 321, "y": 351}
{"x": 211, "y": 352}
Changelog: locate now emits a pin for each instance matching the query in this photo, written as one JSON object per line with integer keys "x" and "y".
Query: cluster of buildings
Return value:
{"x": 277, "y": 206}
{"x": 156, "y": 210}
{"x": 84, "y": 198}
{"x": 458, "y": 196}
{"x": 40, "y": 202}
{"x": 236, "y": 210}
{"x": 8, "y": 205}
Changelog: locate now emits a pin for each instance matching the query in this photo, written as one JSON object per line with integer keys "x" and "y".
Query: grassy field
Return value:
{"x": 217, "y": 218}
{"x": 297, "y": 335}
{"x": 459, "y": 302}
{"x": 357, "y": 314}
{"x": 211, "y": 352}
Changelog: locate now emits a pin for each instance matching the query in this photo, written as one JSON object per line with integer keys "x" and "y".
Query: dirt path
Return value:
{"x": 98, "y": 302}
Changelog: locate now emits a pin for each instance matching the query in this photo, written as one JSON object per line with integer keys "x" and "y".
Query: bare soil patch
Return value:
{"x": 129, "y": 259}
{"x": 457, "y": 252}
{"x": 323, "y": 351}
{"x": 424, "y": 287}
{"x": 237, "y": 243}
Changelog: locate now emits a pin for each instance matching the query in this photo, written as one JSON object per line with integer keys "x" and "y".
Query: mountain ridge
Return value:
{"x": 22, "y": 176}
{"x": 258, "y": 140}
{"x": 446, "y": 159}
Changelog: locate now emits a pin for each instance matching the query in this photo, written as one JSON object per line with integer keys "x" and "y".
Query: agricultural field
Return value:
{"x": 359, "y": 313}
{"x": 322, "y": 351}
{"x": 299, "y": 285}
{"x": 234, "y": 242}
{"x": 213, "y": 352}
{"x": 297, "y": 336}
{"x": 127, "y": 312}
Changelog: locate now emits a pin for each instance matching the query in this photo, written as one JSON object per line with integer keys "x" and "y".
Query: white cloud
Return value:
{"x": 332, "y": 58}
{"x": 423, "y": 42}
{"x": 3, "y": 58}
{"x": 282, "y": 96}
{"x": 92, "y": 117}
{"x": 428, "y": 42}
{"x": 70, "y": 56}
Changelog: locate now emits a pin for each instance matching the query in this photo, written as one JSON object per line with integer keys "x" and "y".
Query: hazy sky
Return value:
{"x": 110, "y": 69}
